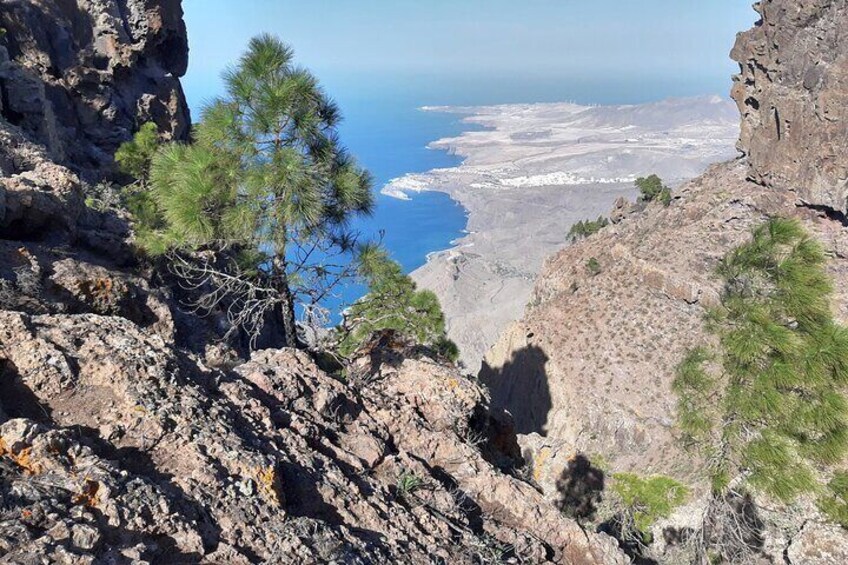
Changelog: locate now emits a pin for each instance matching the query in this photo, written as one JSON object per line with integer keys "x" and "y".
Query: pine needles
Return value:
{"x": 767, "y": 406}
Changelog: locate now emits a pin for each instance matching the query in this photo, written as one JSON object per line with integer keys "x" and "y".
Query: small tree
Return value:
{"x": 254, "y": 215}
{"x": 652, "y": 189}
{"x": 766, "y": 406}
{"x": 585, "y": 228}
{"x": 393, "y": 303}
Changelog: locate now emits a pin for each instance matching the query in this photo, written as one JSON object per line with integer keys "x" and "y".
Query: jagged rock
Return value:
{"x": 96, "y": 289}
{"x": 38, "y": 198}
{"x": 84, "y": 74}
{"x": 793, "y": 93}
{"x": 149, "y": 454}
{"x": 620, "y": 210}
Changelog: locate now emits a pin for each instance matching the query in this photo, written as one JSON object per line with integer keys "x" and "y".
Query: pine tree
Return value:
{"x": 585, "y": 228}
{"x": 393, "y": 303}
{"x": 134, "y": 159}
{"x": 767, "y": 405}
{"x": 265, "y": 193}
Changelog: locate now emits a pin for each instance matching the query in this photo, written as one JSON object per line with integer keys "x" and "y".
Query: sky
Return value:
{"x": 511, "y": 50}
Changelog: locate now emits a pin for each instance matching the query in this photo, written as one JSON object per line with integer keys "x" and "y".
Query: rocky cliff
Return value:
{"x": 792, "y": 93}
{"x": 128, "y": 435}
{"x": 589, "y": 368}
{"x": 80, "y": 76}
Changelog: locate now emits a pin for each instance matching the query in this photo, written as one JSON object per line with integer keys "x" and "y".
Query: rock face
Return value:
{"x": 37, "y": 196}
{"x": 793, "y": 94}
{"x": 80, "y": 76}
{"x": 590, "y": 365}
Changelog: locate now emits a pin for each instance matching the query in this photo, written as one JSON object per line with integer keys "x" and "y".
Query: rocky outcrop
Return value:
{"x": 38, "y": 198}
{"x": 793, "y": 93}
{"x": 591, "y": 363}
{"x": 119, "y": 448}
{"x": 80, "y": 76}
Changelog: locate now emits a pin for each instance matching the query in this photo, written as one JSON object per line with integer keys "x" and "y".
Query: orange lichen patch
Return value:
{"x": 539, "y": 461}
{"x": 104, "y": 293}
{"x": 88, "y": 494}
{"x": 270, "y": 484}
{"x": 24, "y": 252}
{"x": 101, "y": 286}
{"x": 453, "y": 383}
{"x": 22, "y": 459}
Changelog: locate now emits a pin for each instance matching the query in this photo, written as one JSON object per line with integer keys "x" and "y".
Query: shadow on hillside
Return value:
{"x": 521, "y": 387}
{"x": 580, "y": 489}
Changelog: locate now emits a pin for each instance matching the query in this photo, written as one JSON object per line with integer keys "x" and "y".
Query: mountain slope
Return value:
{"x": 589, "y": 367}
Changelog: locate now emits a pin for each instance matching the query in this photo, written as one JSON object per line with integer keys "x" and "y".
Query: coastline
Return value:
{"x": 532, "y": 171}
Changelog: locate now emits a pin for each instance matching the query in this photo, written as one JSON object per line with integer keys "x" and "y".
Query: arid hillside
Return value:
{"x": 589, "y": 368}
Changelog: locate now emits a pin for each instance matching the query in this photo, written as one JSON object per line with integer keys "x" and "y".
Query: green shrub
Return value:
{"x": 835, "y": 502}
{"x": 585, "y": 228}
{"x": 134, "y": 156}
{"x": 393, "y": 303}
{"x": 652, "y": 189}
{"x": 593, "y": 267}
{"x": 766, "y": 405}
{"x": 408, "y": 483}
{"x": 648, "y": 499}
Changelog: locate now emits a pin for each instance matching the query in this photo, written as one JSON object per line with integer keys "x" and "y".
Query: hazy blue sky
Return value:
{"x": 347, "y": 41}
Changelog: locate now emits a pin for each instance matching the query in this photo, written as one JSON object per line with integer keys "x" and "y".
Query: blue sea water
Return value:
{"x": 390, "y": 140}
{"x": 389, "y": 137}
{"x": 387, "y": 132}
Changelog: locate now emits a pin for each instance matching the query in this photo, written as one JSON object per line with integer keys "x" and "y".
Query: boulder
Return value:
{"x": 819, "y": 544}
{"x": 38, "y": 198}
